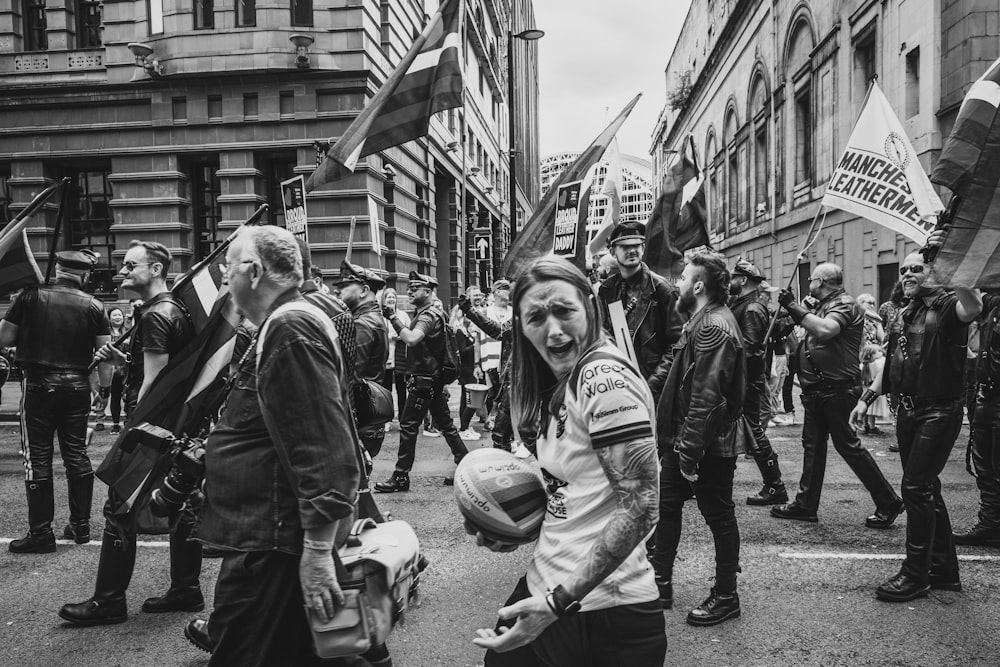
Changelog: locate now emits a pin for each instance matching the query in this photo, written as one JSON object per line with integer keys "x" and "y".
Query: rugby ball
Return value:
{"x": 501, "y": 495}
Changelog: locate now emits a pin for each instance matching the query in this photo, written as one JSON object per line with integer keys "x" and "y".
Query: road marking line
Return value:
{"x": 830, "y": 555}
{"x": 92, "y": 543}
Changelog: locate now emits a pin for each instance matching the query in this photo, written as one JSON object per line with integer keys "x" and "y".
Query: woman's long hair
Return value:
{"x": 532, "y": 381}
{"x": 385, "y": 293}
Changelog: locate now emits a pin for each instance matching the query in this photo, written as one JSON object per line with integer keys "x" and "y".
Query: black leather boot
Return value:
{"x": 769, "y": 495}
{"x": 81, "y": 496}
{"x": 979, "y": 536}
{"x": 902, "y": 588}
{"x": 400, "y": 481}
{"x": 717, "y": 608}
{"x": 184, "y": 593}
{"x": 40, "y": 538}
{"x": 114, "y": 572}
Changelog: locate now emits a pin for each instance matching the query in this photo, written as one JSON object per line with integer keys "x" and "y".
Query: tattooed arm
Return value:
{"x": 632, "y": 471}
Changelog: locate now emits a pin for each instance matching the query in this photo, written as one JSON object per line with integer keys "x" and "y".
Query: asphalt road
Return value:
{"x": 807, "y": 590}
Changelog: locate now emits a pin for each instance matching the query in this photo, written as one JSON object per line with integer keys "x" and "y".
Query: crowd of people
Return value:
{"x": 634, "y": 395}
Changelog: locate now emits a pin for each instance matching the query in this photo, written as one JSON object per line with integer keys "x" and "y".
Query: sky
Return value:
{"x": 595, "y": 56}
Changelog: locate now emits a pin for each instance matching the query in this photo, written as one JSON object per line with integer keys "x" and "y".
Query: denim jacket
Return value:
{"x": 283, "y": 455}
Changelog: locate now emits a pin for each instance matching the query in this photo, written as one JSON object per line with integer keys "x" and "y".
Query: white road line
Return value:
{"x": 830, "y": 555}
{"x": 92, "y": 543}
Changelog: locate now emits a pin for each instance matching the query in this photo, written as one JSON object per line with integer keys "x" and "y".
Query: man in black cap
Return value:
{"x": 358, "y": 286}
{"x": 752, "y": 316}
{"x": 426, "y": 350}
{"x": 649, "y": 302}
{"x": 830, "y": 376}
{"x": 56, "y": 330}
{"x": 162, "y": 329}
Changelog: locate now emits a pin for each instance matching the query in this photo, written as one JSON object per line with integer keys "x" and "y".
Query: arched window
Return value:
{"x": 799, "y": 74}
{"x": 716, "y": 221}
{"x": 759, "y": 111}
{"x": 732, "y": 212}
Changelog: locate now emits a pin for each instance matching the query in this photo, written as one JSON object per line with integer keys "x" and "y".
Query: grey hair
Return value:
{"x": 278, "y": 252}
{"x": 830, "y": 273}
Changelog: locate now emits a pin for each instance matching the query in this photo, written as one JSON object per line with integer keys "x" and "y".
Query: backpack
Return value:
{"x": 450, "y": 362}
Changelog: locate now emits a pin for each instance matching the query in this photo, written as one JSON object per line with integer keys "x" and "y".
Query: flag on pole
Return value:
{"x": 879, "y": 176}
{"x": 427, "y": 80}
{"x": 17, "y": 263}
{"x": 537, "y": 236}
{"x": 967, "y": 166}
{"x": 679, "y": 220}
{"x": 189, "y": 389}
{"x": 612, "y": 190}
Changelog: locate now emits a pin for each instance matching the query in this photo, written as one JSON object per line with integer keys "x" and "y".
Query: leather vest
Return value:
{"x": 59, "y": 329}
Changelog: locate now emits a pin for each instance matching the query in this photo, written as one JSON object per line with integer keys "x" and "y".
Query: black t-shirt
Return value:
{"x": 163, "y": 327}
{"x": 836, "y": 359}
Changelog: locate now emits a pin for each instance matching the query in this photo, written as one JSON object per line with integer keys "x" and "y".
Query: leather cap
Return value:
{"x": 627, "y": 232}
{"x": 76, "y": 259}
{"x": 745, "y": 268}
{"x": 421, "y": 280}
{"x": 352, "y": 273}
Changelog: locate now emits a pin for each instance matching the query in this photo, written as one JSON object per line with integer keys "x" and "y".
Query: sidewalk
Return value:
{"x": 10, "y": 402}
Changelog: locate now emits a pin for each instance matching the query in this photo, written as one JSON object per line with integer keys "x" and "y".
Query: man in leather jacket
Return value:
{"x": 753, "y": 319}
{"x": 357, "y": 288}
{"x": 56, "y": 329}
{"x": 696, "y": 416}
{"x": 649, "y": 303}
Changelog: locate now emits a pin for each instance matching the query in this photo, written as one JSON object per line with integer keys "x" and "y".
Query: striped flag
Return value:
{"x": 427, "y": 80}
{"x": 679, "y": 220}
{"x": 536, "y": 239}
{"x": 189, "y": 389}
{"x": 969, "y": 166}
{"x": 17, "y": 264}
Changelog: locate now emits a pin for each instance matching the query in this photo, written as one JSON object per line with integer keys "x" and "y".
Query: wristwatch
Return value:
{"x": 563, "y": 603}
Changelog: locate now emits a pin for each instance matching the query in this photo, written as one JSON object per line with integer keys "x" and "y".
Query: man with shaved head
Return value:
{"x": 924, "y": 367}
{"x": 830, "y": 376}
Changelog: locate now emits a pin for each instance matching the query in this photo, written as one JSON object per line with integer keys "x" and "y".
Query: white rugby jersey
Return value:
{"x": 610, "y": 404}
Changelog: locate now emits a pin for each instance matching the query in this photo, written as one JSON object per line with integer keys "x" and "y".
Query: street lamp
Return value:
{"x": 529, "y": 35}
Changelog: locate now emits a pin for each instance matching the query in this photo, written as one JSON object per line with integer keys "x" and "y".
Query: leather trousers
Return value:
{"x": 986, "y": 457}
{"x": 926, "y": 435}
{"x": 760, "y": 448}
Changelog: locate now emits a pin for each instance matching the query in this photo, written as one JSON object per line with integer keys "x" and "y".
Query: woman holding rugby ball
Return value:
{"x": 589, "y": 596}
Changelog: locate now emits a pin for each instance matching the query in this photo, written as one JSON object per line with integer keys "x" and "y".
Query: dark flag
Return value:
{"x": 189, "y": 389}
{"x": 427, "y": 80}
{"x": 538, "y": 235}
{"x": 17, "y": 264}
{"x": 969, "y": 166}
{"x": 679, "y": 220}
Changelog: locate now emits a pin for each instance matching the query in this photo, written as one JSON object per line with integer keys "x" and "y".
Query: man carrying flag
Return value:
{"x": 163, "y": 328}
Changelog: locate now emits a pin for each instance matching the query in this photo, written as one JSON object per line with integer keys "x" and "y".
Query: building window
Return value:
{"x": 385, "y": 29}
{"x": 251, "y": 110}
{"x": 286, "y": 104}
{"x": 179, "y": 109}
{"x": 215, "y": 108}
{"x": 913, "y": 83}
{"x": 4, "y": 193}
{"x": 204, "y": 14}
{"x": 761, "y": 201}
{"x": 865, "y": 50}
{"x": 88, "y": 24}
{"x": 803, "y": 137}
{"x": 155, "y": 9}
{"x": 205, "y": 211}
{"x": 35, "y": 24}
{"x": 302, "y": 13}
{"x": 779, "y": 156}
{"x": 89, "y": 223}
{"x": 246, "y": 13}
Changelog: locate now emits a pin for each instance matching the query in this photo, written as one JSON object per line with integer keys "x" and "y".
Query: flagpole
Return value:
{"x": 810, "y": 240}
{"x": 60, "y": 221}
{"x": 350, "y": 238}
{"x": 35, "y": 204}
{"x": 463, "y": 224}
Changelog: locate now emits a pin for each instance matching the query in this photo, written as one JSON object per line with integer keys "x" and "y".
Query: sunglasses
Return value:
{"x": 916, "y": 269}
{"x": 131, "y": 266}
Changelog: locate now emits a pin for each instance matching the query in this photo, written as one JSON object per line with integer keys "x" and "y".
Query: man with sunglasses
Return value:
{"x": 162, "y": 329}
{"x": 425, "y": 352}
{"x": 924, "y": 366}
{"x": 830, "y": 376}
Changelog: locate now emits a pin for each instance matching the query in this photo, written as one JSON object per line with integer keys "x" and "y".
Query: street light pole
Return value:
{"x": 528, "y": 35}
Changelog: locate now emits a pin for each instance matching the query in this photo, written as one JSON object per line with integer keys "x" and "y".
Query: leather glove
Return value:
{"x": 388, "y": 312}
{"x": 795, "y": 309}
{"x": 785, "y": 297}
{"x": 464, "y": 303}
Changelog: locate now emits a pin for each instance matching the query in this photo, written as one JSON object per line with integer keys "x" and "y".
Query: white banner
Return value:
{"x": 879, "y": 176}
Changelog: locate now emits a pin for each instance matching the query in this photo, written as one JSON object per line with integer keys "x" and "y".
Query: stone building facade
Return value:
{"x": 770, "y": 91}
{"x": 176, "y": 119}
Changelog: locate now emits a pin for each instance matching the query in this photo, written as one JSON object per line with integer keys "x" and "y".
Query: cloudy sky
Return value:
{"x": 595, "y": 56}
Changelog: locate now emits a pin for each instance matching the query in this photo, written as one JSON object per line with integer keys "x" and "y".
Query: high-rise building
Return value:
{"x": 770, "y": 92}
{"x": 175, "y": 121}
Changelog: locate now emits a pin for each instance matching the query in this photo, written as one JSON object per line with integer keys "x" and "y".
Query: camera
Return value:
{"x": 187, "y": 466}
